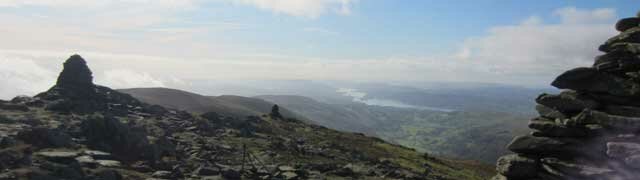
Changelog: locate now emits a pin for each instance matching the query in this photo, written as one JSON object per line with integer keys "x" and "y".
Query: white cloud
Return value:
{"x": 20, "y": 76}
{"x": 125, "y": 78}
{"x": 531, "y": 52}
{"x": 540, "y": 51}
{"x": 573, "y": 15}
{"x": 304, "y": 8}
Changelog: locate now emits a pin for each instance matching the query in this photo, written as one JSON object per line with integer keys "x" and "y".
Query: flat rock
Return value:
{"x": 535, "y": 145}
{"x": 59, "y": 156}
{"x": 161, "y": 174}
{"x": 567, "y": 101}
{"x": 286, "y": 168}
{"x": 85, "y": 160}
{"x": 551, "y": 128}
{"x": 515, "y": 166}
{"x": 591, "y": 80}
{"x": 98, "y": 154}
{"x": 619, "y": 123}
{"x": 109, "y": 163}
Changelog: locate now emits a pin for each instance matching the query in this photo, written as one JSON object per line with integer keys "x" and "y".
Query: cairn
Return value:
{"x": 75, "y": 92}
{"x": 591, "y": 130}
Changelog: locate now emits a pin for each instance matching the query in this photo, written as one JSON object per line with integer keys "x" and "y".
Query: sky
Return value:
{"x": 172, "y": 43}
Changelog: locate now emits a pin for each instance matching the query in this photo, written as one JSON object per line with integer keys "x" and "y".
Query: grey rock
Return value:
{"x": 98, "y": 154}
{"x": 515, "y": 166}
{"x": 109, "y": 175}
{"x": 207, "y": 171}
{"x": 627, "y": 23}
{"x": 109, "y": 163}
{"x": 551, "y": 128}
{"x": 633, "y": 161}
{"x": 499, "y": 177}
{"x": 620, "y": 123}
{"x": 591, "y": 80}
{"x": 536, "y": 145}
{"x": 231, "y": 174}
{"x": 161, "y": 174}
{"x": 44, "y": 137}
{"x": 631, "y": 35}
{"x": 575, "y": 170}
{"x": 86, "y": 160}
{"x": 567, "y": 101}
{"x": 59, "y": 156}
{"x": 629, "y": 111}
{"x": 622, "y": 150}
{"x": 548, "y": 112}
{"x": 14, "y": 107}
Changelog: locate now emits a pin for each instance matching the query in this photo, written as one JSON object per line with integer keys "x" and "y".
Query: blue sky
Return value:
{"x": 137, "y": 43}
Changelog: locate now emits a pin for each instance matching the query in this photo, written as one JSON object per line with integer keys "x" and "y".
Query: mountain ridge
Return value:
{"x": 105, "y": 134}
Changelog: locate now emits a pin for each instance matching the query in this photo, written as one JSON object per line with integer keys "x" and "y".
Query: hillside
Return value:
{"x": 227, "y": 105}
{"x": 78, "y": 130}
{"x": 465, "y": 135}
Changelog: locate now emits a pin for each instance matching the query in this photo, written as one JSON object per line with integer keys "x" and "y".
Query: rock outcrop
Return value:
{"x": 592, "y": 129}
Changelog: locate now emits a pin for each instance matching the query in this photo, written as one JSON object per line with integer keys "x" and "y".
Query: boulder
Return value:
{"x": 515, "y": 166}
{"x": 627, "y": 23}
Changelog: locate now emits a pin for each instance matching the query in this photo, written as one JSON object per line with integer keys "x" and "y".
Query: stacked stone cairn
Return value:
{"x": 591, "y": 130}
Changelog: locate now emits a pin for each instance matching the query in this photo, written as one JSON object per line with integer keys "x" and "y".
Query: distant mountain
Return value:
{"x": 454, "y": 96}
{"x": 462, "y": 96}
{"x": 227, "y": 105}
{"x": 478, "y": 135}
{"x": 354, "y": 119}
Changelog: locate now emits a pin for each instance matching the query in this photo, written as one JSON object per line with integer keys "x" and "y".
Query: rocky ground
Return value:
{"x": 591, "y": 130}
{"x": 78, "y": 130}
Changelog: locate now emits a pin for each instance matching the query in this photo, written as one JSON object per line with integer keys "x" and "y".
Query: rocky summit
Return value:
{"x": 79, "y": 130}
{"x": 591, "y": 130}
